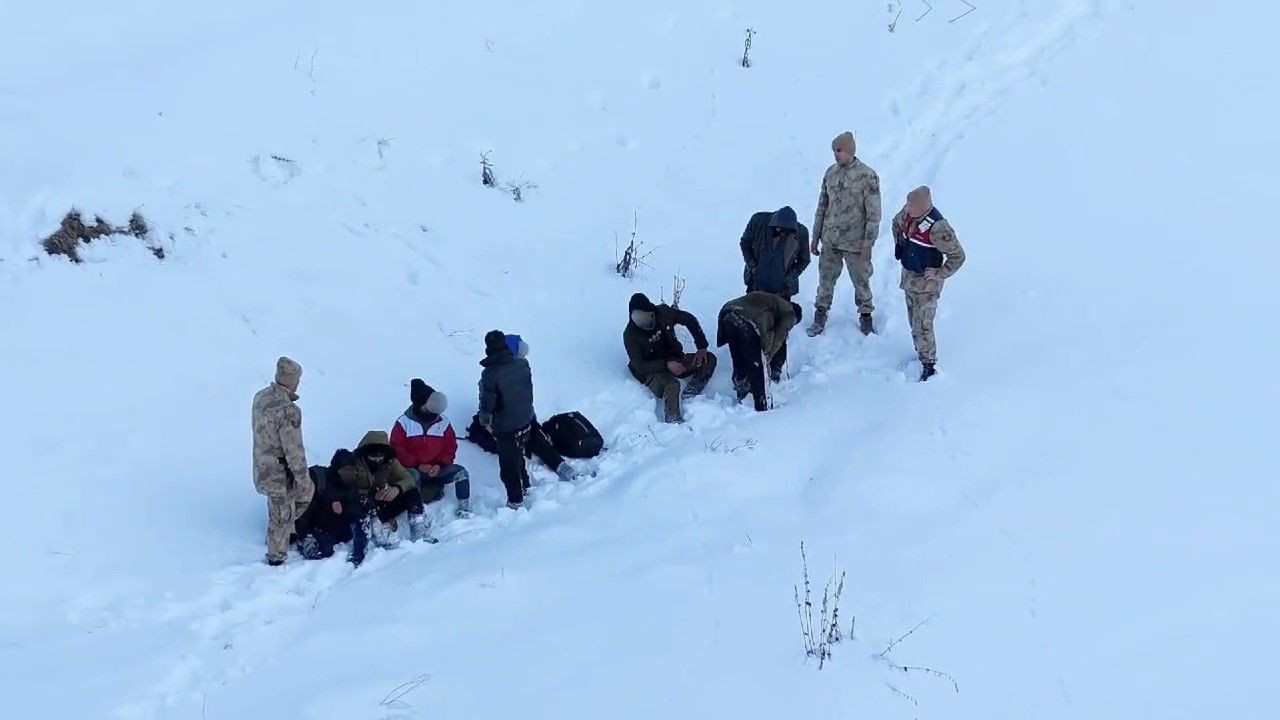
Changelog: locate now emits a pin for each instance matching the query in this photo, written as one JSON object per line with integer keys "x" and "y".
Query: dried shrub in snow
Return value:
{"x": 72, "y": 233}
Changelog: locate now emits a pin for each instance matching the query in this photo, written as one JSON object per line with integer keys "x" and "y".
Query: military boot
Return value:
{"x": 865, "y": 324}
{"x": 819, "y": 323}
{"x": 927, "y": 371}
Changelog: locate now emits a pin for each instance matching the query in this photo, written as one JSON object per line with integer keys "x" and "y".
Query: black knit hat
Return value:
{"x": 421, "y": 394}
{"x": 640, "y": 301}
{"x": 495, "y": 341}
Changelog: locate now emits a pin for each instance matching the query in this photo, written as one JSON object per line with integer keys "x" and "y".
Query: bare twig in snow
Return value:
{"x": 904, "y": 636}
{"x": 972, "y": 7}
{"x": 893, "y": 25}
{"x": 677, "y": 289}
{"x": 915, "y": 703}
{"x": 746, "y": 48}
{"x": 393, "y": 698}
{"x": 926, "y": 12}
{"x": 486, "y": 170}
{"x": 819, "y": 640}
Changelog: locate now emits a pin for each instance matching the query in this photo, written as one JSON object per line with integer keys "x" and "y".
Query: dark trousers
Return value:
{"x": 540, "y": 447}
{"x": 410, "y": 502}
{"x": 511, "y": 465}
{"x": 748, "y": 358}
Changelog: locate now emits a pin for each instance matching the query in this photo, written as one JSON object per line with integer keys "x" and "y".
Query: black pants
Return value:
{"x": 748, "y": 359}
{"x": 511, "y": 465}
{"x": 540, "y": 446}
{"x": 339, "y": 527}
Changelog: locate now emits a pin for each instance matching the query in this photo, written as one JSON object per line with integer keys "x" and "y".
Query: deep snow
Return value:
{"x": 1083, "y": 502}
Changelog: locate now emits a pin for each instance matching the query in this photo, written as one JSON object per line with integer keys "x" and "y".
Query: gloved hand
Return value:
{"x": 486, "y": 421}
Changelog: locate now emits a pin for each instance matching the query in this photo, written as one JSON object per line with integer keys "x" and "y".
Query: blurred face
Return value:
{"x": 375, "y": 458}
{"x": 843, "y": 157}
{"x": 644, "y": 320}
{"x": 918, "y": 206}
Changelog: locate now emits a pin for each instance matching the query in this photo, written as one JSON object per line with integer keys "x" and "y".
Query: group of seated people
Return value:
{"x": 361, "y": 493}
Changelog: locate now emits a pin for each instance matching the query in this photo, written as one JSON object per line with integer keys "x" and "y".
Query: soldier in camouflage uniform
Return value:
{"x": 844, "y": 230}
{"x": 925, "y": 244}
{"x": 279, "y": 460}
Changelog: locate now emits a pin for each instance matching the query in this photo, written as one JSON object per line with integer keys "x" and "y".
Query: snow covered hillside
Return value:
{"x": 1082, "y": 504}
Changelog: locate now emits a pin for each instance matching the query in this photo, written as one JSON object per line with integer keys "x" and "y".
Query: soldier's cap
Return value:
{"x": 288, "y": 372}
{"x": 845, "y": 141}
{"x": 922, "y": 194}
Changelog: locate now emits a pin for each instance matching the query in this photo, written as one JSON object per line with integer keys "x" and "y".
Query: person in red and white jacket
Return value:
{"x": 426, "y": 444}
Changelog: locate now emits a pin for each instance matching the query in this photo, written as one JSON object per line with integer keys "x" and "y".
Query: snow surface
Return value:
{"x": 1083, "y": 502}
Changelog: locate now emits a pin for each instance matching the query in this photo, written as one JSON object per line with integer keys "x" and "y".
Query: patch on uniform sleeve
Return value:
{"x": 293, "y": 416}
{"x": 873, "y": 185}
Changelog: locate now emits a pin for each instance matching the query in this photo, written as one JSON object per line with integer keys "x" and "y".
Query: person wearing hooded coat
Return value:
{"x": 385, "y": 488}
{"x": 506, "y": 410}
{"x": 775, "y": 247}
{"x": 755, "y": 327}
{"x": 427, "y": 446}
{"x": 775, "y": 250}
{"x": 658, "y": 360}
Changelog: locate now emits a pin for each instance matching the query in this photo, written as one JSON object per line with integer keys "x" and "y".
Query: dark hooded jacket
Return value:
{"x": 774, "y": 264}
{"x": 506, "y": 386}
{"x": 358, "y": 475}
{"x": 649, "y": 350}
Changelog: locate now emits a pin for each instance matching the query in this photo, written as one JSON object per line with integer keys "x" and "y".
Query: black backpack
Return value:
{"x": 477, "y": 434}
{"x": 573, "y": 435}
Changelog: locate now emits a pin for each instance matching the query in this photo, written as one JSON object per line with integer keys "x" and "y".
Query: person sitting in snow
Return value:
{"x": 334, "y": 515}
{"x": 657, "y": 359}
{"x": 755, "y": 328}
{"x": 386, "y": 489}
{"x": 506, "y": 411}
{"x": 426, "y": 444}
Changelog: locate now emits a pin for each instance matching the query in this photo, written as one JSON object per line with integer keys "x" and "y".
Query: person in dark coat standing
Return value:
{"x": 775, "y": 249}
{"x": 657, "y": 359}
{"x": 506, "y": 410}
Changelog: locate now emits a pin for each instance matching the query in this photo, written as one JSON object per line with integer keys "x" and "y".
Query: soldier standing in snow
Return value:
{"x": 657, "y": 359}
{"x": 506, "y": 411}
{"x": 279, "y": 459}
{"x": 755, "y": 328}
{"x": 844, "y": 231}
{"x": 925, "y": 244}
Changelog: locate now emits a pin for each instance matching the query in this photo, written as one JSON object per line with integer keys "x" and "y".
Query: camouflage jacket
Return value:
{"x": 848, "y": 216}
{"x": 278, "y": 455}
{"x": 941, "y": 237}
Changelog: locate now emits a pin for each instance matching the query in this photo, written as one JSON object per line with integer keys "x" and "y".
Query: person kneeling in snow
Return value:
{"x": 755, "y": 328}
{"x": 426, "y": 444}
{"x": 506, "y": 411}
{"x": 656, "y": 357}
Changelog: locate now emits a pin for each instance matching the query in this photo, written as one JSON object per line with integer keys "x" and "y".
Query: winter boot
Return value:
{"x": 309, "y": 547}
{"x": 515, "y": 505}
{"x": 275, "y": 563}
{"x": 866, "y": 324}
{"x": 741, "y": 387}
{"x": 382, "y": 534}
{"x": 464, "y": 508}
{"x": 927, "y": 371}
{"x": 695, "y": 387}
{"x": 566, "y": 472}
{"x": 420, "y": 529}
{"x": 819, "y": 323}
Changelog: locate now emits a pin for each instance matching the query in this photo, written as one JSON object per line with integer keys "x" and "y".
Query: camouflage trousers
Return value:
{"x": 282, "y": 511}
{"x": 831, "y": 263}
{"x": 921, "y": 308}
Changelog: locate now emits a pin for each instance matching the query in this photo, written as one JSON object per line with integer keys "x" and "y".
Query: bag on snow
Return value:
{"x": 481, "y": 436}
{"x": 573, "y": 435}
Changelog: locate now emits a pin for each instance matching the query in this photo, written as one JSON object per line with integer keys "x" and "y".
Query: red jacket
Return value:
{"x": 417, "y": 445}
